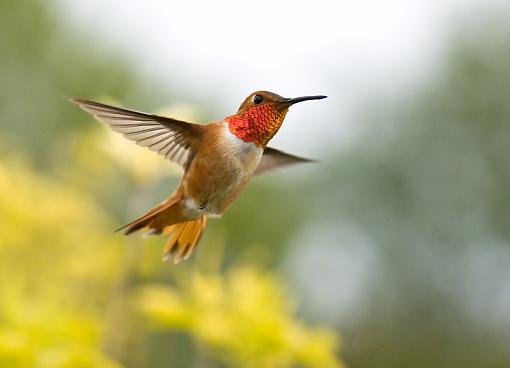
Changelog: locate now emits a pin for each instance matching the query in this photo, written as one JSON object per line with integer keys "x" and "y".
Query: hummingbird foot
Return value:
{"x": 152, "y": 232}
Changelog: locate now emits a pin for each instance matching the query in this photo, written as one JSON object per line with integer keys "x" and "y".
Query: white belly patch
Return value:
{"x": 248, "y": 152}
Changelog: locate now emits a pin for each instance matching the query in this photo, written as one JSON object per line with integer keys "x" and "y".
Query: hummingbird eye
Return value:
{"x": 257, "y": 99}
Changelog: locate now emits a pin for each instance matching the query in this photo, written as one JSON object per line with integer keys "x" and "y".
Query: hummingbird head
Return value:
{"x": 260, "y": 116}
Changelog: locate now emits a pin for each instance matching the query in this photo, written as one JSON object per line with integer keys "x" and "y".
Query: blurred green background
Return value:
{"x": 392, "y": 252}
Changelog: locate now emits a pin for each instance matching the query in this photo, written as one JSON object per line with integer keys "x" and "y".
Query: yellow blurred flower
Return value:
{"x": 244, "y": 316}
{"x": 54, "y": 248}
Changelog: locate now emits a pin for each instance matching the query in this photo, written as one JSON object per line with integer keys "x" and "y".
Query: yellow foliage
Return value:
{"x": 54, "y": 252}
{"x": 61, "y": 304}
{"x": 244, "y": 316}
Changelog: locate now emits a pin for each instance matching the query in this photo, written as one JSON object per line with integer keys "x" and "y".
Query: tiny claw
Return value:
{"x": 151, "y": 232}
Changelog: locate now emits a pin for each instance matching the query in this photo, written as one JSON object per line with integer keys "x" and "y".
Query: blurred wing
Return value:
{"x": 174, "y": 139}
{"x": 273, "y": 159}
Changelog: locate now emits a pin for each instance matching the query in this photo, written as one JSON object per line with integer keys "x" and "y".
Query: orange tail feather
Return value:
{"x": 184, "y": 238}
{"x": 167, "y": 218}
{"x": 166, "y": 213}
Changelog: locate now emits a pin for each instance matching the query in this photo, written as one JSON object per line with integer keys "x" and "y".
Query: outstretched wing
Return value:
{"x": 273, "y": 159}
{"x": 174, "y": 139}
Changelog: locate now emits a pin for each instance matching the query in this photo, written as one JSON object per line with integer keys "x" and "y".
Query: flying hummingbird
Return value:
{"x": 219, "y": 158}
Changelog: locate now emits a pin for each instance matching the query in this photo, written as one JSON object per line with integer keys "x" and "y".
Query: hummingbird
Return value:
{"x": 219, "y": 158}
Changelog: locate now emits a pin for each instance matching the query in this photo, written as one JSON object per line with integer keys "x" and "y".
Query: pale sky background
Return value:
{"x": 214, "y": 53}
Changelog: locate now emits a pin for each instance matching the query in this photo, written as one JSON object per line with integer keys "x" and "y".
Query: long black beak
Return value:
{"x": 292, "y": 101}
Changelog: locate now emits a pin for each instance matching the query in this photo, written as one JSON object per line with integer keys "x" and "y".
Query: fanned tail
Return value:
{"x": 167, "y": 218}
{"x": 183, "y": 239}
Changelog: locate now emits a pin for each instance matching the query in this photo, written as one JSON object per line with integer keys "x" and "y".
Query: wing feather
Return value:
{"x": 273, "y": 159}
{"x": 174, "y": 139}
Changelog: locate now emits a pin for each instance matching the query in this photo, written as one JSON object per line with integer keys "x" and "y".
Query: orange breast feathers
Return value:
{"x": 257, "y": 124}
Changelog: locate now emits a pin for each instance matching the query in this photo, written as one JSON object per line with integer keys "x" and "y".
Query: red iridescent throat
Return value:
{"x": 258, "y": 124}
